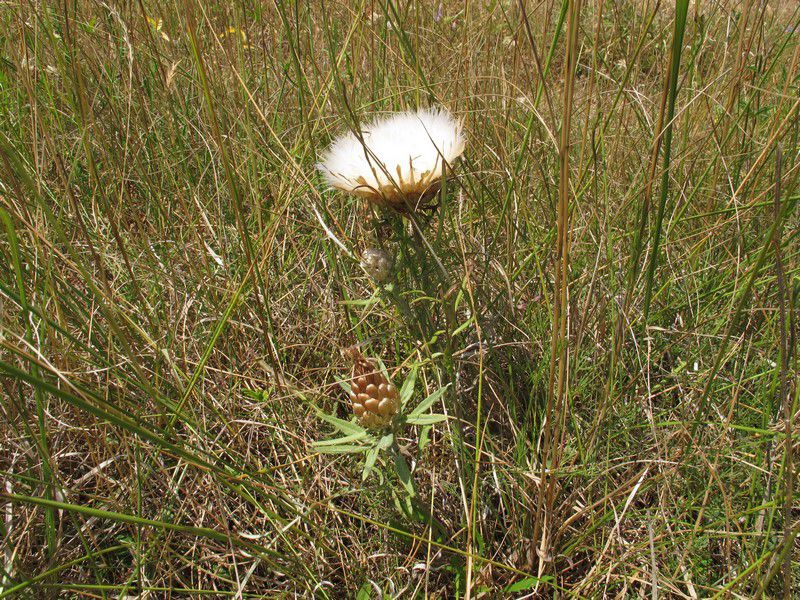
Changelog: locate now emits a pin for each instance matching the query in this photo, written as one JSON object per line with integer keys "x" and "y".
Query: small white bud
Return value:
{"x": 377, "y": 263}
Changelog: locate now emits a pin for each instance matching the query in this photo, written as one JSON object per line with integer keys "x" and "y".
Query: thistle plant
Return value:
{"x": 396, "y": 163}
{"x": 399, "y": 162}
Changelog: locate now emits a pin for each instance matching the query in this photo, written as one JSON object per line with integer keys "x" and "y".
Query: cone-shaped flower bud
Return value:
{"x": 374, "y": 398}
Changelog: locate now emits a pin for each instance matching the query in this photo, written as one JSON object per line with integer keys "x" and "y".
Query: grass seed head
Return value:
{"x": 397, "y": 160}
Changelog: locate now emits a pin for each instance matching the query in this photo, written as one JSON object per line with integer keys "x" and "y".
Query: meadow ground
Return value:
{"x": 604, "y": 304}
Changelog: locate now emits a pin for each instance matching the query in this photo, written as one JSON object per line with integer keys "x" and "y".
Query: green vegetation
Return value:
{"x": 603, "y": 307}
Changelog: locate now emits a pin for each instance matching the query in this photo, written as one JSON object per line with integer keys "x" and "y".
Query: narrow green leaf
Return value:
{"x": 386, "y": 441}
{"x": 428, "y": 402}
{"x": 344, "y": 384}
{"x": 407, "y": 390}
{"x": 342, "y": 449}
{"x": 463, "y": 326}
{"x": 681, "y": 9}
{"x": 368, "y": 302}
{"x": 522, "y": 585}
{"x": 345, "y": 427}
{"x": 341, "y": 440}
{"x": 204, "y": 532}
{"x": 404, "y": 473}
{"x": 426, "y": 419}
{"x": 382, "y": 368}
{"x": 369, "y": 462}
{"x": 424, "y": 437}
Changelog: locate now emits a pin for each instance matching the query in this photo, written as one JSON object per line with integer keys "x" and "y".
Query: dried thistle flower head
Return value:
{"x": 402, "y": 158}
{"x": 377, "y": 263}
{"x": 374, "y": 398}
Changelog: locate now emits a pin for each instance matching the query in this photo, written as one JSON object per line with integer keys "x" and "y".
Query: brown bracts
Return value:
{"x": 374, "y": 398}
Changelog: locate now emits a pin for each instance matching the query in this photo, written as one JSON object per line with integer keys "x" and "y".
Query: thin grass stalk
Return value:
{"x": 392, "y": 15}
{"x": 542, "y": 70}
{"x": 479, "y": 437}
{"x": 790, "y": 427}
{"x": 302, "y": 85}
{"x": 204, "y": 532}
{"x": 733, "y": 93}
{"x": 636, "y": 252}
{"x": 82, "y": 103}
{"x": 744, "y": 293}
{"x": 262, "y": 298}
{"x": 15, "y": 589}
{"x": 681, "y": 8}
{"x": 562, "y": 15}
{"x": 559, "y": 351}
{"x": 784, "y": 401}
{"x": 472, "y": 516}
{"x": 41, "y": 444}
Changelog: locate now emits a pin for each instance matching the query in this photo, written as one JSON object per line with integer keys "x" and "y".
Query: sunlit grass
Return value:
{"x": 602, "y": 299}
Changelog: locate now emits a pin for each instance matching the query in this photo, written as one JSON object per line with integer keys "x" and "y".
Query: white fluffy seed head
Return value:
{"x": 402, "y": 158}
